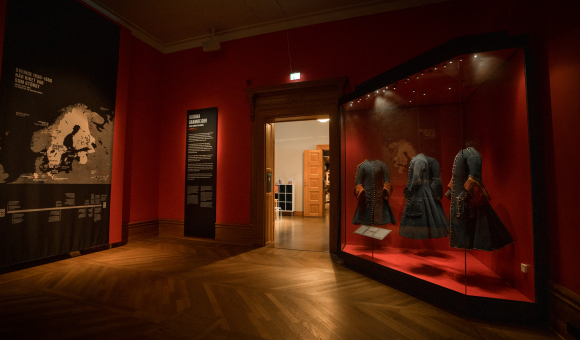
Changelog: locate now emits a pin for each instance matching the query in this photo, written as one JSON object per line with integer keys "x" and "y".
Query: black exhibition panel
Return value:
{"x": 57, "y": 112}
{"x": 441, "y": 178}
{"x": 200, "y": 173}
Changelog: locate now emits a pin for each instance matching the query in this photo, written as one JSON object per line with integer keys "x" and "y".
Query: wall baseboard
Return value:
{"x": 240, "y": 234}
{"x": 142, "y": 229}
{"x": 118, "y": 244}
{"x": 171, "y": 228}
{"x": 564, "y": 312}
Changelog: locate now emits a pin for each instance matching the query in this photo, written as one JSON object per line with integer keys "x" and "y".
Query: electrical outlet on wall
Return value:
{"x": 524, "y": 268}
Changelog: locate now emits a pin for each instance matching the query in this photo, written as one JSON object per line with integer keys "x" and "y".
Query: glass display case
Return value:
{"x": 436, "y": 176}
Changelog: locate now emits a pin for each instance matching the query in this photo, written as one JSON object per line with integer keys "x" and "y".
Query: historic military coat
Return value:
{"x": 372, "y": 190}
{"x": 423, "y": 216}
{"x": 474, "y": 223}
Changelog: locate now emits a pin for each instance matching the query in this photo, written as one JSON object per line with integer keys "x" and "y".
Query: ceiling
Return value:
{"x": 175, "y": 25}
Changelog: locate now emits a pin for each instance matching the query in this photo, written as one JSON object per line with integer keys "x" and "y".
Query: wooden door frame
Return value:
{"x": 323, "y": 147}
{"x": 292, "y": 102}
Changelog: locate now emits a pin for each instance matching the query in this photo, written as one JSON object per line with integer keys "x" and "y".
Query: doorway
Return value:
{"x": 283, "y": 103}
{"x": 301, "y": 171}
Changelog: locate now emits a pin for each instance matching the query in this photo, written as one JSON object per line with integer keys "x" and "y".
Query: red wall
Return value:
{"x": 135, "y": 177}
{"x": 115, "y": 222}
{"x": 216, "y": 80}
{"x": 142, "y": 175}
{"x": 564, "y": 56}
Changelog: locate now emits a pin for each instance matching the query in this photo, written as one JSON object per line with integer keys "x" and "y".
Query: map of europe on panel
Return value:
{"x": 57, "y": 94}
{"x": 75, "y": 147}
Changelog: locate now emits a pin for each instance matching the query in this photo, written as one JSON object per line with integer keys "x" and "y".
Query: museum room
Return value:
{"x": 289, "y": 169}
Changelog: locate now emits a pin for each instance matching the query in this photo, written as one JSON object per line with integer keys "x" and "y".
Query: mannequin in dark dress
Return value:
{"x": 373, "y": 189}
{"x": 474, "y": 223}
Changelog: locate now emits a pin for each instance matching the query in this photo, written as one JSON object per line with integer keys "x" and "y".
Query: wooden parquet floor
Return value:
{"x": 178, "y": 288}
{"x": 301, "y": 233}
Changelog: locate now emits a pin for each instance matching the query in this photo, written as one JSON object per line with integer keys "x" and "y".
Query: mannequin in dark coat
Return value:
{"x": 474, "y": 223}
{"x": 373, "y": 189}
{"x": 423, "y": 217}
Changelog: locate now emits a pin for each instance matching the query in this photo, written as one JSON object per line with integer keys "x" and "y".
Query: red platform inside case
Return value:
{"x": 456, "y": 270}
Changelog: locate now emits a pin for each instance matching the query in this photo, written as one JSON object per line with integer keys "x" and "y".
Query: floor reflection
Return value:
{"x": 301, "y": 233}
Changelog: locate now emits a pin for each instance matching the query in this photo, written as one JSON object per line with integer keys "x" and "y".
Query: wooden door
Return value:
{"x": 269, "y": 199}
{"x": 313, "y": 190}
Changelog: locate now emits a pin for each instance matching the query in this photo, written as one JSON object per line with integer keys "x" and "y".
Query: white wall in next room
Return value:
{"x": 291, "y": 139}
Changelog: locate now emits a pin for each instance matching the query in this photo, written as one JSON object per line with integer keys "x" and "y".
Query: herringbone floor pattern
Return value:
{"x": 177, "y": 288}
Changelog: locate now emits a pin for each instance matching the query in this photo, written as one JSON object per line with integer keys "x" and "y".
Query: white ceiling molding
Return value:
{"x": 268, "y": 27}
{"x": 135, "y": 30}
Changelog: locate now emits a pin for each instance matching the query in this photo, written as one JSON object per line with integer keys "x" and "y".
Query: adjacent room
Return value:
{"x": 302, "y": 180}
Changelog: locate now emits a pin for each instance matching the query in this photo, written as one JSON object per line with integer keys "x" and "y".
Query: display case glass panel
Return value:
{"x": 436, "y": 176}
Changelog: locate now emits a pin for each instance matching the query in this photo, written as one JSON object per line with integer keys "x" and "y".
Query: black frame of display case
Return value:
{"x": 475, "y": 306}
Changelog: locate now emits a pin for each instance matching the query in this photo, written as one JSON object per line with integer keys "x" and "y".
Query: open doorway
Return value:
{"x": 301, "y": 185}
{"x": 287, "y": 103}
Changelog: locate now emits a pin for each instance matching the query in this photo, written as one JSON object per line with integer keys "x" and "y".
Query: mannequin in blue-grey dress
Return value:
{"x": 423, "y": 217}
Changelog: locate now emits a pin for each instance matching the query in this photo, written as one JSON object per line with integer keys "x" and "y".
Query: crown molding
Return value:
{"x": 135, "y": 30}
{"x": 268, "y": 27}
